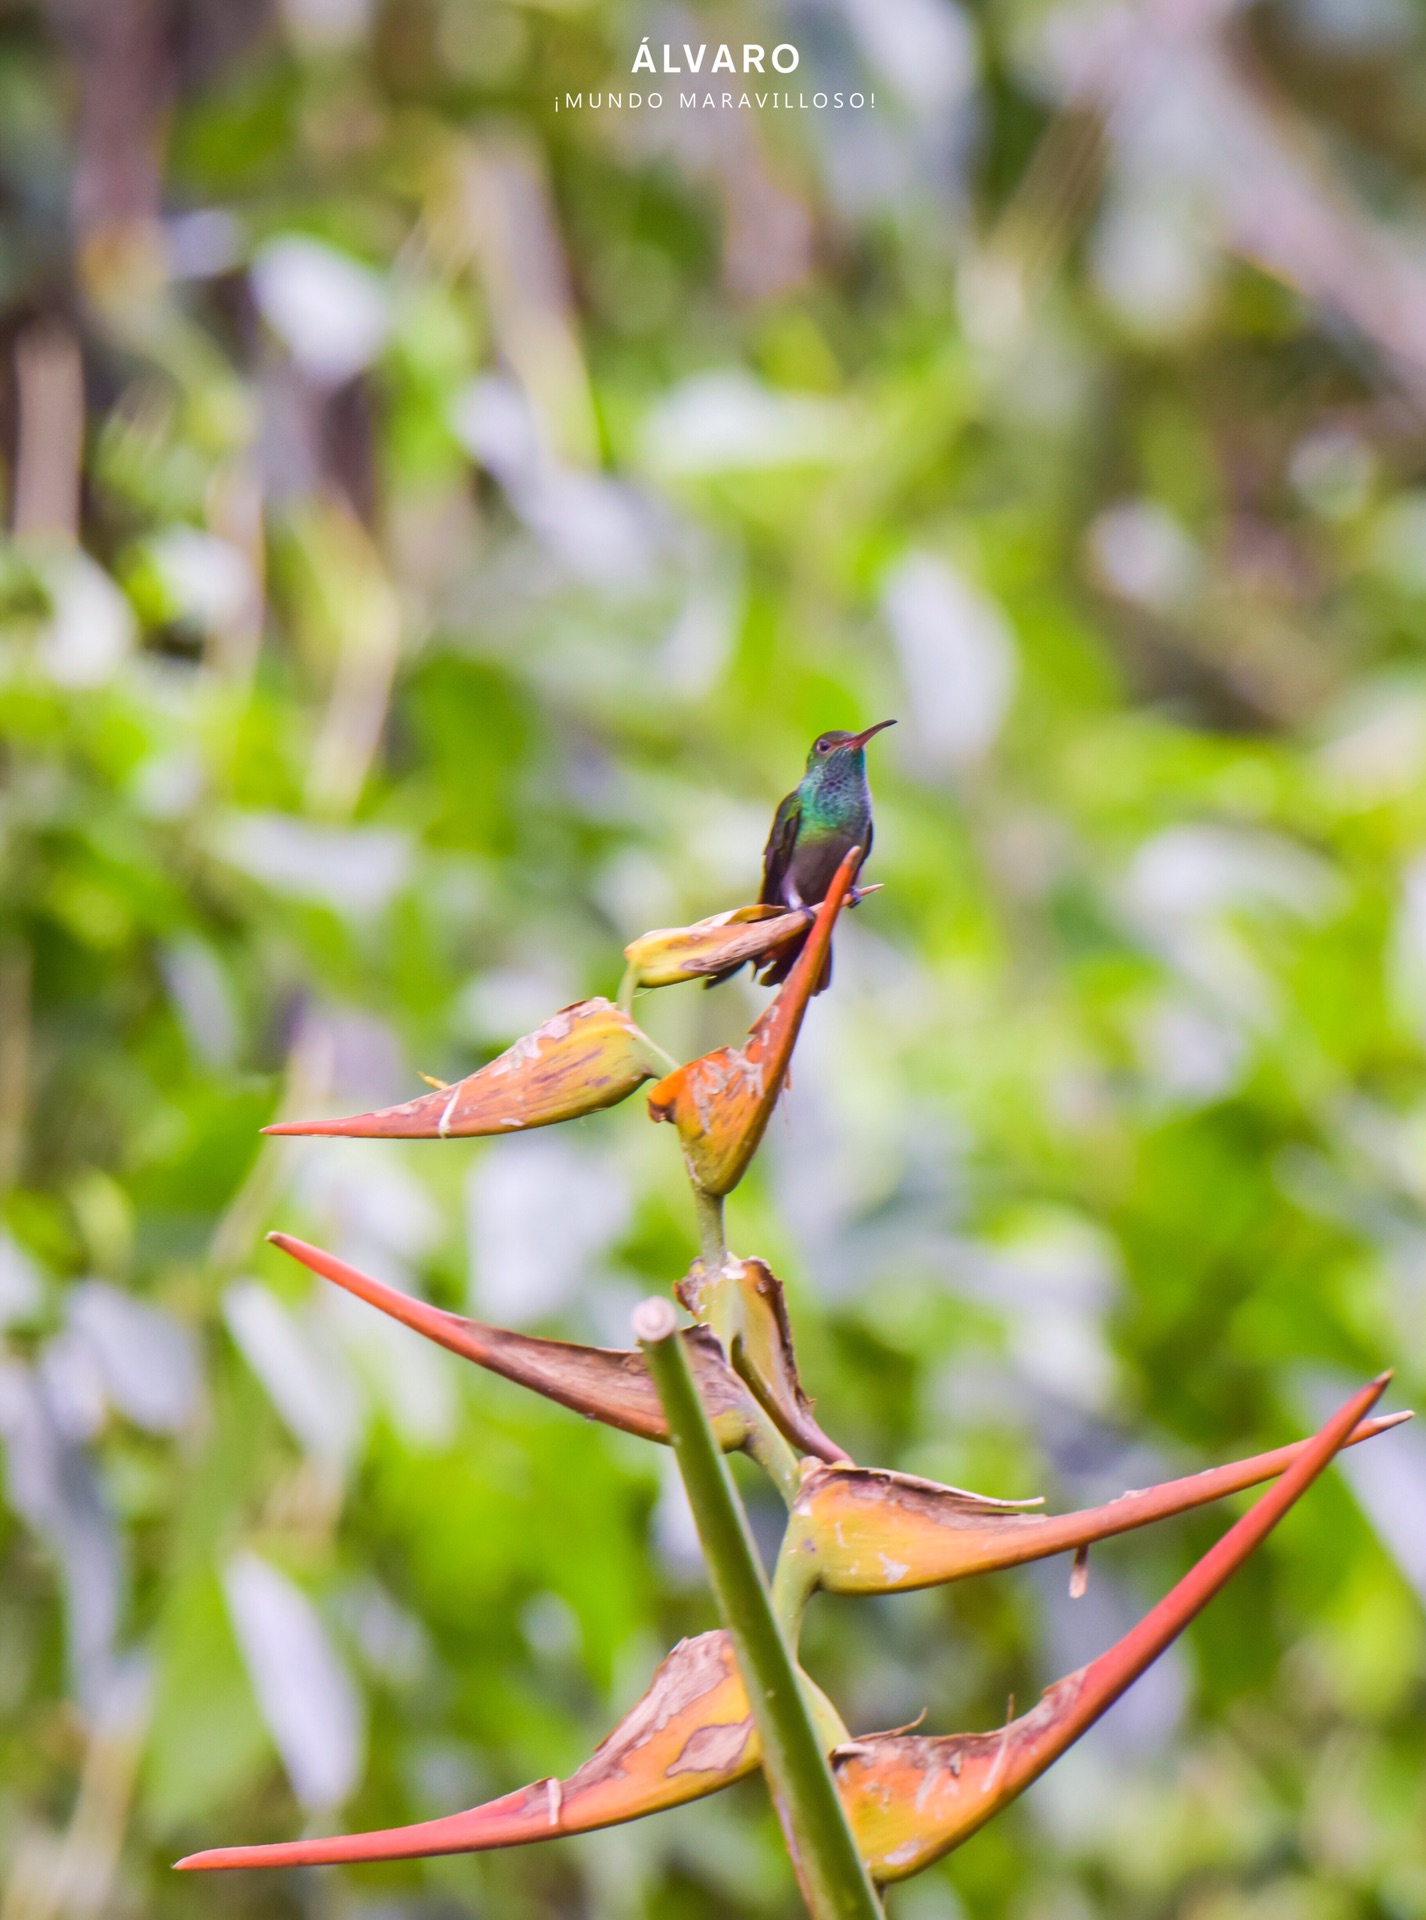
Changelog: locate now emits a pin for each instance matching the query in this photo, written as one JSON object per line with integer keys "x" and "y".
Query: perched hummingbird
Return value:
{"x": 827, "y": 814}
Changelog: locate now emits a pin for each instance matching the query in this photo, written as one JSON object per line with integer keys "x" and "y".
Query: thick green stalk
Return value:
{"x": 712, "y": 1242}
{"x": 834, "y": 1880}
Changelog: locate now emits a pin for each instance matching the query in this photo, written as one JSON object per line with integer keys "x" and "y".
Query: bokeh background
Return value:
{"x": 438, "y": 526}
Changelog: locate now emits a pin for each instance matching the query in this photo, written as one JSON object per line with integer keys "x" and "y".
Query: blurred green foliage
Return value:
{"x": 439, "y": 526}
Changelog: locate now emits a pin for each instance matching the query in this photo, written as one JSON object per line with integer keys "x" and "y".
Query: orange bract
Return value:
{"x": 864, "y": 1530}
{"x": 911, "y": 1800}
{"x": 691, "y": 1734}
{"x": 588, "y": 1056}
{"x": 722, "y": 1102}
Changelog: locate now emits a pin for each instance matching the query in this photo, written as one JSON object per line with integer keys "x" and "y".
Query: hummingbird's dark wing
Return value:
{"x": 777, "y": 854}
{"x": 777, "y": 875}
{"x": 777, "y": 858}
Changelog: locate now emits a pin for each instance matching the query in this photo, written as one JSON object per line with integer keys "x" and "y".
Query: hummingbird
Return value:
{"x": 827, "y": 813}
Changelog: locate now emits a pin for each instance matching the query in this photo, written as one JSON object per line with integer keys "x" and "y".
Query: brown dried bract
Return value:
{"x": 762, "y": 1350}
{"x": 603, "y": 1383}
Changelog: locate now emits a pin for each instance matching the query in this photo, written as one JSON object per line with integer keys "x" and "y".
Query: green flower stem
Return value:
{"x": 766, "y": 1445}
{"x": 628, "y": 986}
{"x": 794, "y": 1580}
{"x": 834, "y": 1879}
{"x": 712, "y": 1243}
{"x": 720, "y": 1302}
{"x": 664, "y": 1062}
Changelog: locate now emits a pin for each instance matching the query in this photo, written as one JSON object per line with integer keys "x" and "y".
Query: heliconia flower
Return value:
{"x": 602, "y": 1383}
{"x": 690, "y": 1735}
{"x": 588, "y": 1056}
{"x": 911, "y": 1799}
{"x": 866, "y": 1530}
{"x": 669, "y": 955}
{"x": 722, "y": 1102}
{"x": 764, "y": 1337}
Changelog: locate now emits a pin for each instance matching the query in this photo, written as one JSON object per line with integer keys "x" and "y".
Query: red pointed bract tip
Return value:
{"x": 587, "y": 1057}
{"x": 864, "y": 1530}
{"x": 721, "y": 1103}
{"x": 911, "y": 1800}
{"x": 602, "y": 1383}
{"x": 691, "y": 1734}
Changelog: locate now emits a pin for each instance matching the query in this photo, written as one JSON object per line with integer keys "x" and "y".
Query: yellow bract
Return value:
{"x": 668, "y": 955}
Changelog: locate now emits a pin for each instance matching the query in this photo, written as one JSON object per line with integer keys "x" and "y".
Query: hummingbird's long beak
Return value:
{"x": 860, "y": 739}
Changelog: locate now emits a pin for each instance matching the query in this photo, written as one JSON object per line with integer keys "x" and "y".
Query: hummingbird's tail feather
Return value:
{"x": 774, "y": 975}
{"x": 717, "y": 979}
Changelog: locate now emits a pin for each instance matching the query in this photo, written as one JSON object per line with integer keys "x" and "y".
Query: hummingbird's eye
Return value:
{"x": 823, "y": 744}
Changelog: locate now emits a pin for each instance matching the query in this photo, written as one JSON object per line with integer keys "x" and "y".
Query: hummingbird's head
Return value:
{"x": 838, "y": 750}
